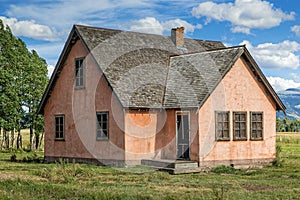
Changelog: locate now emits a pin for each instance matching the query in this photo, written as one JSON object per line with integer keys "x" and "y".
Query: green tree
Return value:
{"x": 23, "y": 78}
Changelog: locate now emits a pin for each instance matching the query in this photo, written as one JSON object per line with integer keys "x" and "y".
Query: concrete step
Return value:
{"x": 173, "y": 166}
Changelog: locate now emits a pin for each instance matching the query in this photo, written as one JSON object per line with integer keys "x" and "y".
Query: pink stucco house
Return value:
{"x": 119, "y": 97}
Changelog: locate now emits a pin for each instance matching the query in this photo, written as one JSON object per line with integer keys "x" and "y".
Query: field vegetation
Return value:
{"x": 27, "y": 178}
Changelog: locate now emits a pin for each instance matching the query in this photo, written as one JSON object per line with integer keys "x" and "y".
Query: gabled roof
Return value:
{"x": 193, "y": 77}
{"x": 144, "y": 70}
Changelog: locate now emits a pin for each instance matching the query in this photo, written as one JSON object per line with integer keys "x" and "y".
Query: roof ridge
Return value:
{"x": 94, "y": 27}
{"x": 209, "y": 51}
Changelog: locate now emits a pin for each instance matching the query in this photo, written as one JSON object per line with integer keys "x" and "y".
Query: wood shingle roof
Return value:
{"x": 149, "y": 71}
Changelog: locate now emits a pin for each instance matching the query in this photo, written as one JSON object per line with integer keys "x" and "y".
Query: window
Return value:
{"x": 239, "y": 125}
{"x": 222, "y": 126}
{"x": 59, "y": 127}
{"x": 102, "y": 126}
{"x": 79, "y": 73}
{"x": 256, "y": 132}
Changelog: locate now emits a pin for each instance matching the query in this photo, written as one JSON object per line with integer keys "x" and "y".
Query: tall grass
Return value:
{"x": 62, "y": 180}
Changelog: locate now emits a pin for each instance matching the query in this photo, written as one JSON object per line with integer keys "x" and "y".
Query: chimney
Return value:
{"x": 177, "y": 36}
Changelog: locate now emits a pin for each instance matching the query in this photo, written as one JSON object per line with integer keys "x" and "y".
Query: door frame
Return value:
{"x": 189, "y": 133}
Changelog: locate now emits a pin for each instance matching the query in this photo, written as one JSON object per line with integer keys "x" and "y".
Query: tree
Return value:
{"x": 287, "y": 125}
{"x": 23, "y": 78}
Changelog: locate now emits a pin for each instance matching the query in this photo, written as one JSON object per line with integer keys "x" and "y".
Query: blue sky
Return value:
{"x": 270, "y": 29}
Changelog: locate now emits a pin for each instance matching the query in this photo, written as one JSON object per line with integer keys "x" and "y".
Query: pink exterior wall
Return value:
{"x": 79, "y": 107}
{"x": 152, "y": 135}
{"x": 238, "y": 91}
{"x": 136, "y": 135}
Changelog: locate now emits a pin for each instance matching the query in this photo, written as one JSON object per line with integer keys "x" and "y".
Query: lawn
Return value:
{"x": 32, "y": 180}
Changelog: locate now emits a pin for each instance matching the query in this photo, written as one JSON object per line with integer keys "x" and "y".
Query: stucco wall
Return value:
{"x": 238, "y": 91}
{"x": 152, "y": 135}
{"x": 79, "y": 107}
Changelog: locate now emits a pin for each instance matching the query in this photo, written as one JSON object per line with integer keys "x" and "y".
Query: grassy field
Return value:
{"x": 31, "y": 180}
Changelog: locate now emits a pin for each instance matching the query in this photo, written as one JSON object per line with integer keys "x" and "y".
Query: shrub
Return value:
{"x": 222, "y": 169}
{"x": 278, "y": 162}
{"x": 13, "y": 158}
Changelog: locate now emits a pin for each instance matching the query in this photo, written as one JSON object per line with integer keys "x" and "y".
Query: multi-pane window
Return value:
{"x": 239, "y": 125}
{"x": 222, "y": 125}
{"x": 256, "y": 130}
{"x": 79, "y": 73}
{"x": 102, "y": 126}
{"x": 59, "y": 127}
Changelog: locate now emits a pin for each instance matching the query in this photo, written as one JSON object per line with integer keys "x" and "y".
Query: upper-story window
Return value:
{"x": 79, "y": 73}
{"x": 256, "y": 129}
{"x": 239, "y": 125}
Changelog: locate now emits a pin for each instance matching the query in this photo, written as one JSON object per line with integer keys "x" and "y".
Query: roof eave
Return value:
{"x": 58, "y": 66}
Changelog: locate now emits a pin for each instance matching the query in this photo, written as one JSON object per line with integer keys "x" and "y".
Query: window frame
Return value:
{"x": 81, "y": 76}
{"x": 235, "y": 138}
{"x": 101, "y": 137}
{"x": 59, "y": 132}
{"x": 262, "y": 126}
{"x": 223, "y": 122}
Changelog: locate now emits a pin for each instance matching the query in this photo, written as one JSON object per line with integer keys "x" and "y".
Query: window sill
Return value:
{"x": 79, "y": 87}
{"x": 60, "y": 139}
{"x": 223, "y": 140}
{"x": 102, "y": 139}
{"x": 256, "y": 139}
{"x": 240, "y": 139}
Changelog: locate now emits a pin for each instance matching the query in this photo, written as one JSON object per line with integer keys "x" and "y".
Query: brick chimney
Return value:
{"x": 177, "y": 36}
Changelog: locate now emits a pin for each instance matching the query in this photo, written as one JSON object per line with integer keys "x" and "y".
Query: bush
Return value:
{"x": 224, "y": 170}
{"x": 278, "y": 162}
{"x": 13, "y": 158}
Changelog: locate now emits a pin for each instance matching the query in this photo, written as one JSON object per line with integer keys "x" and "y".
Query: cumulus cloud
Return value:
{"x": 243, "y": 14}
{"x": 296, "y": 30}
{"x": 152, "y": 25}
{"x": 280, "y": 55}
{"x": 281, "y": 84}
{"x": 30, "y": 29}
{"x": 147, "y": 25}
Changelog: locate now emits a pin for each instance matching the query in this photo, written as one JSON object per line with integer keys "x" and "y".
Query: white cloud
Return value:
{"x": 50, "y": 70}
{"x": 30, "y": 29}
{"x": 243, "y": 14}
{"x": 296, "y": 30}
{"x": 61, "y": 14}
{"x": 152, "y": 25}
{"x": 280, "y": 55}
{"x": 295, "y": 76}
{"x": 168, "y": 25}
{"x": 147, "y": 25}
{"x": 240, "y": 29}
{"x": 49, "y": 50}
{"x": 280, "y": 84}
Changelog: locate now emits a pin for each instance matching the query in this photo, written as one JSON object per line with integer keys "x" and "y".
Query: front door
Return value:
{"x": 183, "y": 135}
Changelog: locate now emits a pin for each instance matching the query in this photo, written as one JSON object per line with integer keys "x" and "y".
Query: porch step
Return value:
{"x": 172, "y": 166}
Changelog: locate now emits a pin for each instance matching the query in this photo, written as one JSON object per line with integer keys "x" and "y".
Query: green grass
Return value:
{"x": 19, "y": 180}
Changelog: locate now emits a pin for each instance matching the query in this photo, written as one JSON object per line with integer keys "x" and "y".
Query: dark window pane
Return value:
{"x": 102, "y": 125}
{"x": 257, "y": 125}
{"x": 222, "y": 125}
{"x": 59, "y": 127}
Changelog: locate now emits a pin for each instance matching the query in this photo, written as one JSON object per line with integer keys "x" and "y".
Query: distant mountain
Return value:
{"x": 291, "y": 99}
